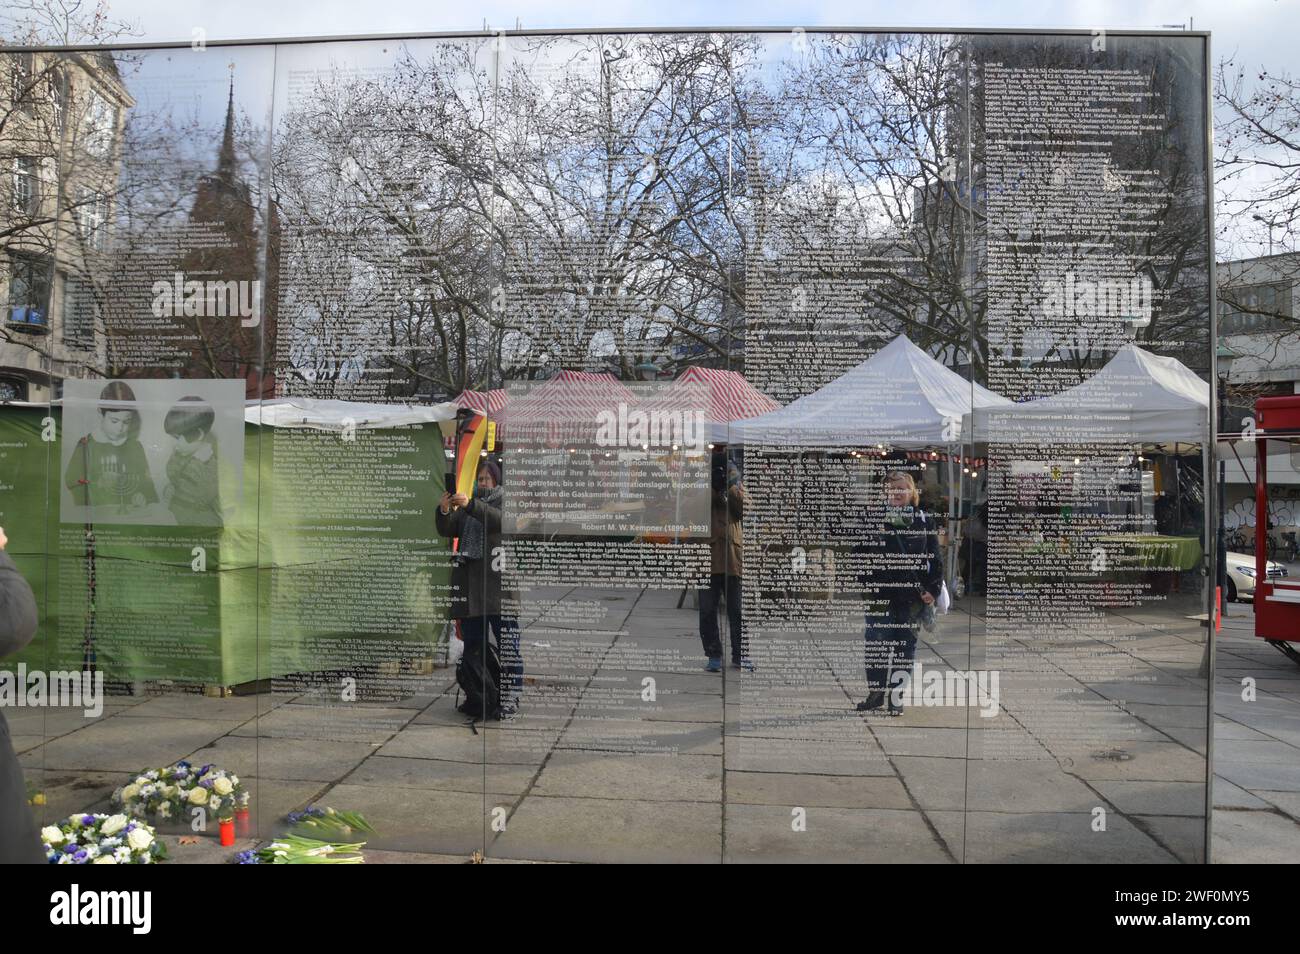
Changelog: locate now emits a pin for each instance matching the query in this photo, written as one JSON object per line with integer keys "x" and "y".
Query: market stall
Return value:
{"x": 900, "y": 396}
{"x": 1135, "y": 398}
{"x": 1142, "y": 415}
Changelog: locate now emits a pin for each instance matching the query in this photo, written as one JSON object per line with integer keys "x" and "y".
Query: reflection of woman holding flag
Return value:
{"x": 471, "y": 433}
{"x": 472, "y": 517}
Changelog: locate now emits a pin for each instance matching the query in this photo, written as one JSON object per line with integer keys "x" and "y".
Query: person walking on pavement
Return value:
{"x": 726, "y": 557}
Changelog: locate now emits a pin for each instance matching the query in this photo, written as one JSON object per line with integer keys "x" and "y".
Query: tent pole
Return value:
{"x": 950, "y": 558}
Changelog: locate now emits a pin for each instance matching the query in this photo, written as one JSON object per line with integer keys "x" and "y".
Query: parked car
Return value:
{"x": 1241, "y": 575}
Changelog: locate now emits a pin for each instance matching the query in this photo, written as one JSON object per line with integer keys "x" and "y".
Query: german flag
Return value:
{"x": 471, "y": 430}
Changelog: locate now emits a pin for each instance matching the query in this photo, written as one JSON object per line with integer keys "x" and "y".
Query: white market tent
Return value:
{"x": 1136, "y": 398}
{"x": 329, "y": 415}
{"x": 899, "y": 396}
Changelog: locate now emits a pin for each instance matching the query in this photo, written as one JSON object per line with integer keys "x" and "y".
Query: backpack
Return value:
{"x": 478, "y": 676}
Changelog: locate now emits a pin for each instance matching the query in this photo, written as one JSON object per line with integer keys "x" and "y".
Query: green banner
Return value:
{"x": 310, "y": 573}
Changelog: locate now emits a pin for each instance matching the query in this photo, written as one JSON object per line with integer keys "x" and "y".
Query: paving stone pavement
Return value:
{"x": 1256, "y": 748}
{"x": 624, "y": 750}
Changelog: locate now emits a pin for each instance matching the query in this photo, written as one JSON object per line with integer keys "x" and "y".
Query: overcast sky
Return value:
{"x": 1261, "y": 31}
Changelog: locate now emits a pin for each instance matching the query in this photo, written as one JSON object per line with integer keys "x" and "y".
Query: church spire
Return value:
{"x": 226, "y": 157}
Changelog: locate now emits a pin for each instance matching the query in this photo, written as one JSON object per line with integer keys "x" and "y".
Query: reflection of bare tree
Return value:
{"x": 1258, "y": 188}
{"x": 871, "y": 138}
{"x": 853, "y": 148}
{"x": 383, "y": 185}
{"x": 613, "y": 168}
{"x": 154, "y": 192}
{"x": 599, "y": 182}
{"x": 110, "y": 193}
{"x": 1138, "y": 210}
{"x": 590, "y": 201}
{"x": 100, "y": 217}
{"x": 328, "y": 335}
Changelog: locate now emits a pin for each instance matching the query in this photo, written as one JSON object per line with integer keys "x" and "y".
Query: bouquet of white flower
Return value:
{"x": 94, "y": 839}
{"x": 316, "y": 836}
{"x": 297, "y": 850}
{"x": 327, "y": 824}
{"x": 169, "y": 794}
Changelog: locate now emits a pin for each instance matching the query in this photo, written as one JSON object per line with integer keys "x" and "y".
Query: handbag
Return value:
{"x": 944, "y": 602}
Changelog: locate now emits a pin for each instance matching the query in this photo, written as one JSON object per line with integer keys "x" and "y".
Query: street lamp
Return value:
{"x": 1270, "y": 223}
{"x": 1225, "y": 357}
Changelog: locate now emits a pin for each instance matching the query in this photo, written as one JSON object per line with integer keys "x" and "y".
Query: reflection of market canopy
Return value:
{"x": 488, "y": 403}
{"x": 722, "y": 395}
{"x": 729, "y": 396}
{"x": 900, "y": 395}
{"x": 327, "y": 415}
{"x": 566, "y": 405}
{"x": 1138, "y": 397}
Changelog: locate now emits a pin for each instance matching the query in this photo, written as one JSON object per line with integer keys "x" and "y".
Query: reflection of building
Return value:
{"x": 61, "y": 120}
{"x": 1260, "y": 339}
{"x": 200, "y": 276}
{"x": 224, "y": 205}
{"x": 1256, "y": 301}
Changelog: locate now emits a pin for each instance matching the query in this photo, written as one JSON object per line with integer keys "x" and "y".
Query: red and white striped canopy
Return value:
{"x": 569, "y": 399}
{"x": 491, "y": 403}
{"x": 577, "y": 396}
{"x": 730, "y": 397}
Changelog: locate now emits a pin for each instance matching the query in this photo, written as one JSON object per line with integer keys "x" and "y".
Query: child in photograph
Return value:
{"x": 109, "y": 471}
{"x": 193, "y": 493}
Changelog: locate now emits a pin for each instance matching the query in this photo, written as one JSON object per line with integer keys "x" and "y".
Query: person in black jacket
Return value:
{"x": 727, "y": 565}
{"x": 902, "y": 579}
{"x": 478, "y": 602}
{"x": 19, "y": 841}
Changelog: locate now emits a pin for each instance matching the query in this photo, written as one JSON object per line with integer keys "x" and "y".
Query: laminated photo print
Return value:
{"x": 152, "y": 453}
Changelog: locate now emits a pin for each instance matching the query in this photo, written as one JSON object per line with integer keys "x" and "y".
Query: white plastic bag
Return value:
{"x": 455, "y": 645}
{"x": 944, "y": 602}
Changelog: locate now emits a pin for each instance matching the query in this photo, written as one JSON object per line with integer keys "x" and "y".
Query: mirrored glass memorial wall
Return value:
{"x": 671, "y": 447}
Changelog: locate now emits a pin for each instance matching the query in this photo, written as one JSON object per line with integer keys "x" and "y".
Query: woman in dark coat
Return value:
{"x": 19, "y": 841}
{"x": 903, "y": 578}
{"x": 477, "y": 597}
